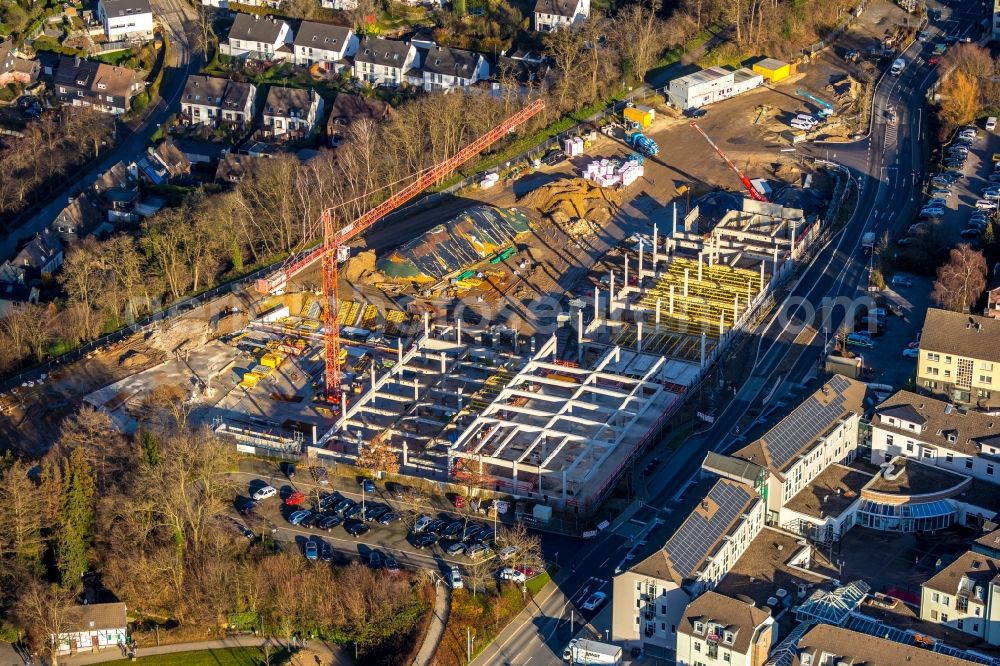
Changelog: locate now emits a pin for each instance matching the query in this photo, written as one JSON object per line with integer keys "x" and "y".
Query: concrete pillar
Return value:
{"x": 372, "y": 369}
{"x": 406, "y": 453}
{"x": 702, "y": 350}
{"x": 761, "y": 277}
{"x": 399, "y": 353}
{"x": 597, "y": 302}
{"x": 657, "y": 310}
{"x": 748, "y": 294}
{"x": 673, "y": 234}
{"x": 774, "y": 259}
{"x": 611, "y": 296}
{"x": 343, "y": 403}
{"x": 638, "y": 340}
{"x": 656, "y": 246}
{"x": 700, "y": 263}
{"x": 513, "y": 478}
{"x": 427, "y": 324}
{"x": 458, "y": 330}
{"x": 625, "y": 280}
{"x": 444, "y": 366}
{"x": 722, "y": 322}
{"x": 579, "y": 327}
{"x": 416, "y": 389}
{"x": 671, "y": 309}
{"x": 564, "y": 485}
{"x": 687, "y": 275}
{"x": 640, "y": 262}
{"x": 736, "y": 307}
{"x": 712, "y": 244}
{"x": 791, "y": 225}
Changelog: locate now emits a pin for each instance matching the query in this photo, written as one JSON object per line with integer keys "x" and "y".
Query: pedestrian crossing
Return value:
{"x": 890, "y": 135}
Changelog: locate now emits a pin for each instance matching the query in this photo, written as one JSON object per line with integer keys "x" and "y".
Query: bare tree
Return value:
{"x": 961, "y": 281}
{"x": 527, "y": 546}
{"x": 44, "y": 611}
{"x": 479, "y": 574}
{"x": 639, "y": 36}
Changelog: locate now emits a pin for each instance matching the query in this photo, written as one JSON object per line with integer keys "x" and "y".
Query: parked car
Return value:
{"x": 933, "y": 60}
{"x": 935, "y": 202}
{"x": 327, "y": 501}
{"x": 375, "y": 560}
{"x": 512, "y": 575}
{"x": 325, "y": 551}
{"x": 904, "y": 242}
{"x": 485, "y": 536}
{"x": 452, "y": 528}
{"x": 264, "y": 493}
{"x": 375, "y": 511}
{"x": 986, "y": 204}
{"x": 471, "y": 532}
{"x": 343, "y": 504}
{"x": 367, "y": 485}
{"x": 435, "y": 526}
{"x": 424, "y": 541}
{"x": 901, "y": 281}
{"x": 456, "y": 548}
{"x": 455, "y": 579}
{"x": 329, "y": 522}
{"x": 954, "y": 163}
{"x": 858, "y": 339}
{"x": 289, "y": 470}
{"x": 312, "y": 551}
{"x": 932, "y": 211}
{"x": 918, "y": 228}
{"x": 310, "y": 520}
{"x": 295, "y": 499}
{"x": 247, "y": 508}
{"x": 941, "y": 193}
{"x": 595, "y": 601}
{"x": 388, "y": 518}
{"x": 351, "y": 511}
{"x": 554, "y": 157}
{"x": 355, "y": 528}
{"x": 477, "y": 551}
{"x": 391, "y": 565}
{"x": 993, "y": 178}
{"x": 459, "y": 501}
{"x": 991, "y": 123}
{"x": 970, "y": 233}
{"x": 696, "y": 113}
{"x": 910, "y": 352}
{"x": 421, "y": 524}
{"x": 298, "y": 516}
{"x": 396, "y": 490}
{"x": 507, "y": 552}
{"x": 319, "y": 475}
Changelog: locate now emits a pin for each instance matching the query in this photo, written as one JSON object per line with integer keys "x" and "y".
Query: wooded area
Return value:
{"x": 146, "y": 514}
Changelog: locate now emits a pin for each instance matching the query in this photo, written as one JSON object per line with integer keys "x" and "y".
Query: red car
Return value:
{"x": 933, "y": 60}
{"x": 295, "y": 499}
{"x": 459, "y": 501}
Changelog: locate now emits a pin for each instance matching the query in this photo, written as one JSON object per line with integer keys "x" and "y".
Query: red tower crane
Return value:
{"x": 333, "y": 240}
{"x": 754, "y": 193}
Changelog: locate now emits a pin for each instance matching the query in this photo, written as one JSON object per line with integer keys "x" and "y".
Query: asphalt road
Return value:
{"x": 888, "y": 168}
{"x": 177, "y": 18}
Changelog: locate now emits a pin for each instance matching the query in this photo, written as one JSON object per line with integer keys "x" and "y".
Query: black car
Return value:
{"x": 328, "y": 501}
{"x": 471, "y": 532}
{"x": 343, "y": 504}
{"x": 452, "y": 528}
{"x": 397, "y": 490}
{"x": 695, "y": 113}
{"x": 355, "y": 528}
{"x": 375, "y": 560}
{"x": 247, "y": 508}
{"x": 424, "y": 541}
{"x": 329, "y": 522}
{"x": 485, "y": 536}
{"x": 375, "y": 511}
{"x": 289, "y": 470}
{"x": 435, "y": 526}
{"x": 352, "y": 510}
{"x": 554, "y": 157}
{"x": 310, "y": 520}
{"x": 388, "y": 518}
{"x": 325, "y": 552}
{"x": 390, "y": 564}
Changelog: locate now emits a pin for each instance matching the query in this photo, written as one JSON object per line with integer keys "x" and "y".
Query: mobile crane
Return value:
{"x": 754, "y": 193}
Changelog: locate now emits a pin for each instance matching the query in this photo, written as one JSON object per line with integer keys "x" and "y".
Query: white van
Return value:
{"x": 801, "y": 125}
{"x": 898, "y": 66}
{"x": 991, "y": 123}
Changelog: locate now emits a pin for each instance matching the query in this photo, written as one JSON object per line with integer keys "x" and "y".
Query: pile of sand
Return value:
{"x": 576, "y": 202}
{"x": 134, "y": 361}
{"x": 179, "y": 334}
{"x": 360, "y": 269}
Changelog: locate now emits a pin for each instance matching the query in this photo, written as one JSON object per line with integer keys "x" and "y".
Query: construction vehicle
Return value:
{"x": 331, "y": 251}
{"x": 753, "y": 191}
{"x": 825, "y": 108}
{"x": 642, "y": 143}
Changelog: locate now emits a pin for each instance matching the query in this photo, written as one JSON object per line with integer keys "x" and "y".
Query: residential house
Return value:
{"x": 13, "y": 294}
{"x": 92, "y": 627}
{"x": 993, "y": 292}
{"x": 649, "y": 598}
{"x": 325, "y": 45}
{"x": 42, "y": 255}
{"x": 291, "y": 111}
{"x": 80, "y": 218}
{"x": 965, "y": 595}
{"x": 386, "y": 62}
{"x": 446, "y": 68}
{"x": 234, "y": 167}
{"x": 960, "y": 359}
{"x": 340, "y": 5}
{"x": 200, "y": 152}
{"x": 828, "y": 645}
{"x": 126, "y": 19}
{"x": 717, "y": 629}
{"x": 106, "y": 88}
{"x": 347, "y": 109}
{"x": 14, "y": 69}
{"x": 208, "y": 100}
{"x": 819, "y": 432}
{"x": 554, "y": 14}
{"x": 163, "y": 164}
{"x": 118, "y": 190}
{"x": 257, "y": 37}
{"x": 524, "y": 76}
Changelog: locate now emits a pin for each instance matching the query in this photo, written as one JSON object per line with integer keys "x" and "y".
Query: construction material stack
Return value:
{"x": 611, "y": 172}
{"x": 573, "y": 147}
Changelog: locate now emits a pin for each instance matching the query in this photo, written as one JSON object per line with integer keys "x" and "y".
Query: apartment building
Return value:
{"x": 965, "y": 596}
{"x": 387, "y": 62}
{"x": 126, "y": 19}
{"x": 827, "y": 645}
{"x": 960, "y": 359}
{"x": 324, "y": 44}
{"x": 208, "y": 100}
{"x": 819, "y": 432}
{"x": 650, "y": 597}
{"x": 720, "y": 630}
{"x": 555, "y": 14}
{"x": 258, "y": 38}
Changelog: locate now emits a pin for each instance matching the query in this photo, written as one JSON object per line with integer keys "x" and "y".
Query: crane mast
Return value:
{"x": 754, "y": 193}
{"x": 333, "y": 240}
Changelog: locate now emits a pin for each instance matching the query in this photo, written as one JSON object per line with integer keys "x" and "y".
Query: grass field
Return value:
{"x": 224, "y": 657}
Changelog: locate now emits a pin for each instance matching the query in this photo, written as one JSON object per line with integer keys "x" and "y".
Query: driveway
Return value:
{"x": 178, "y": 21}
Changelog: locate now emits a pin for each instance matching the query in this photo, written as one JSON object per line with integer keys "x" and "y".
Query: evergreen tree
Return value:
{"x": 458, "y": 6}
{"x": 75, "y": 531}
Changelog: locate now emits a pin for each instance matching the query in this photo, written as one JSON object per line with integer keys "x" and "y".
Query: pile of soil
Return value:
{"x": 360, "y": 269}
{"x": 576, "y": 204}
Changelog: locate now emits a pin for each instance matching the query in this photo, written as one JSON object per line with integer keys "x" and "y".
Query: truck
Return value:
{"x": 583, "y": 651}
{"x": 642, "y": 143}
{"x": 868, "y": 242}
{"x": 898, "y": 65}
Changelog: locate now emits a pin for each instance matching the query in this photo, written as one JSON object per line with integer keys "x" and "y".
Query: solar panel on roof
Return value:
{"x": 696, "y": 537}
{"x": 806, "y": 422}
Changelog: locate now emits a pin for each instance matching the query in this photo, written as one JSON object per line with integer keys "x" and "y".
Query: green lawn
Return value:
{"x": 225, "y": 657}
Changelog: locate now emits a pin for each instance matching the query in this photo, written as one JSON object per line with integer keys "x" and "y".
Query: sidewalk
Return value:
{"x": 435, "y": 630}
{"x": 115, "y": 654}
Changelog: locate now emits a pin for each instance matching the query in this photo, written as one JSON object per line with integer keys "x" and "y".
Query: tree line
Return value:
{"x": 146, "y": 515}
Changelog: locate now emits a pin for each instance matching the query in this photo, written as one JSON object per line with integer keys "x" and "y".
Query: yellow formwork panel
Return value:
{"x": 369, "y": 317}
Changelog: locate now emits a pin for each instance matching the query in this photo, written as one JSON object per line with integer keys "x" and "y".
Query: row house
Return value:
{"x": 555, "y": 14}
{"x": 126, "y": 19}
{"x": 103, "y": 87}
{"x": 446, "y": 68}
{"x": 387, "y": 62}
{"x": 256, "y": 37}
{"x": 716, "y": 629}
{"x": 291, "y": 111}
{"x": 347, "y": 109}
{"x": 328, "y": 46}
{"x": 208, "y": 100}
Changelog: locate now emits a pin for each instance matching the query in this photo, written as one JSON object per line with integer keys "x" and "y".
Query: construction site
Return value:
{"x": 528, "y": 334}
